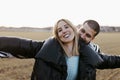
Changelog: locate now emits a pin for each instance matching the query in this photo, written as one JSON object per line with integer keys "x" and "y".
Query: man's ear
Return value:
{"x": 93, "y": 38}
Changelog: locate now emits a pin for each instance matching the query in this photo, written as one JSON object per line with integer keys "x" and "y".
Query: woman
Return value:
{"x": 58, "y": 58}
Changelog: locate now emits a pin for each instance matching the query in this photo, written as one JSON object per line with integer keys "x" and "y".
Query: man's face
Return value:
{"x": 86, "y": 33}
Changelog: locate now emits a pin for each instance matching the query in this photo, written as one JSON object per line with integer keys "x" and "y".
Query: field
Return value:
{"x": 20, "y": 69}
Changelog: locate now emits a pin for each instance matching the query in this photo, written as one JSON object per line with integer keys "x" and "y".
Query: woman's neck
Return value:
{"x": 69, "y": 49}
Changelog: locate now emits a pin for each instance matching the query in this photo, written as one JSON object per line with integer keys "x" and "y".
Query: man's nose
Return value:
{"x": 83, "y": 36}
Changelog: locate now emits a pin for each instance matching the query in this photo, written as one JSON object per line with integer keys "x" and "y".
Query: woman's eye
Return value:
{"x": 66, "y": 26}
{"x": 59, "y": 30}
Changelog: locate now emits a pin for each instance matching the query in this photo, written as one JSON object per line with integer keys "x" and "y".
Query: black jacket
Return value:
{"x": 19, "y": 47}
{"x": 50, "y": 63}
{"x": 46, "y": 63}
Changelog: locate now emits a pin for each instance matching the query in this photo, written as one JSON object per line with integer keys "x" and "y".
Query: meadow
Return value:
{"x": 20, "y": 69}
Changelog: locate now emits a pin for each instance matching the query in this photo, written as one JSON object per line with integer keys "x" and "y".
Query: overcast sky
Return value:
{"x": 44, "y": 13}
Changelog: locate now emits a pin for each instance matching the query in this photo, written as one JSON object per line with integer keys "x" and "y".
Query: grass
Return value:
{"x": 20, "y": 69}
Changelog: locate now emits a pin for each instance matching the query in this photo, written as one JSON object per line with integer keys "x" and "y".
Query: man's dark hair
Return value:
{"x": 94, "y": 25}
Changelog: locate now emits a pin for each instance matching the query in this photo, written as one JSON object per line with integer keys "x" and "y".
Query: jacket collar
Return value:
{"x": 51, "y": 52}
{"x": 88, "y": 55}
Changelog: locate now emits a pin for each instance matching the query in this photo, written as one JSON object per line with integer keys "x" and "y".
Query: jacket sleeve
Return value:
{"x": 109, "y": 61}
{"x": 95, "y": 47}
{"x": 5, "y": 55}
{"x": 19, "y": 47}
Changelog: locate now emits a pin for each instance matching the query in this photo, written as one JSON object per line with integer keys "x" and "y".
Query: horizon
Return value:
{"x": 45, "y": 27}
{"x": 40, "y": 14}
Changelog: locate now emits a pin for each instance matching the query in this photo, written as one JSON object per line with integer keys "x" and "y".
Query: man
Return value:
{"x": 88, "y": 31}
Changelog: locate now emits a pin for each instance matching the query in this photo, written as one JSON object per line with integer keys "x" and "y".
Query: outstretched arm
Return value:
{"x": 19, "y": 47}
{"x": 109, "y": 61}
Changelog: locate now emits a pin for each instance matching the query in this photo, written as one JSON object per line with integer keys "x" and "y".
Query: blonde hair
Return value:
{"x": 75, "y": 41}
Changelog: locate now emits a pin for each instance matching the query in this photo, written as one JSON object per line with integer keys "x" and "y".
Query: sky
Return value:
{"x": 45, "y": 13}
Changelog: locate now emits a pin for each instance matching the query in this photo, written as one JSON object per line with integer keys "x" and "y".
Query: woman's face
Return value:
{"x": 65, "y": 32}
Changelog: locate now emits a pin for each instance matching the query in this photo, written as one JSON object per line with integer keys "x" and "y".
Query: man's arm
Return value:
{"x": 109, "y": 61}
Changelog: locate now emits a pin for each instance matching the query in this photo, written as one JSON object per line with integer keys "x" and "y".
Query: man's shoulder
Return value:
{"x": 94, "y": 46}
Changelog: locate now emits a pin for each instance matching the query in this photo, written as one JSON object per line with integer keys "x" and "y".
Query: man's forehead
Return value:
{"x": 86, "y": 26}
{"x": 88, "y": 29}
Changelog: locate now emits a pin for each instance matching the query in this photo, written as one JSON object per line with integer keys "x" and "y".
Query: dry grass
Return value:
{"x": 110, "y": 44}
{"x": 30, "y": 35}
{"x": 15, "y": 69}
{"x": 20, "y": 69}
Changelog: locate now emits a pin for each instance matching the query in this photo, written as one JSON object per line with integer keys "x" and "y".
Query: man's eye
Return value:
{"x": 83, "y": 31}
{"x": 89, "y": 36}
